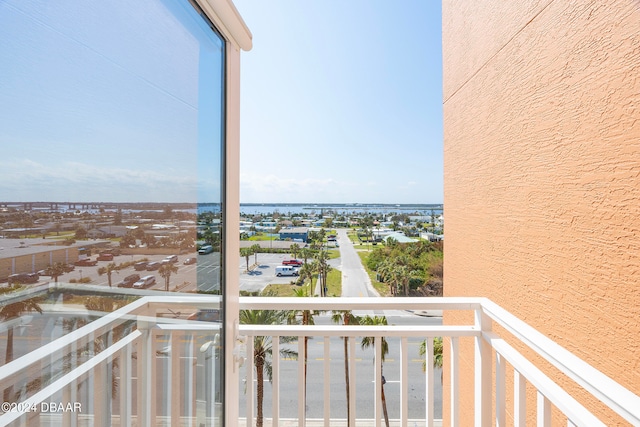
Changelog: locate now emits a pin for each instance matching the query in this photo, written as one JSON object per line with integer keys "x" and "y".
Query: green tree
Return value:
{"x": 108, "y": 270}
{"x": 246, "y": 253}
{"x": 437, "y": 354}
{"x": 307, "y": 271}
{"x": 304, "y": 317}
{"x": 81, "y": 233}
{"x": 165, "y": 272}
{"x": 295, "y": 249}
{"x": 255, "y": 248}
{"x": 345, "y": 317}
{"x": 56, "y": 270}
{"x": 263, "y": 350}
{"x": 368, "y": 342}
{"x": 322, "y": 268}
{"x": 306, "y": 253}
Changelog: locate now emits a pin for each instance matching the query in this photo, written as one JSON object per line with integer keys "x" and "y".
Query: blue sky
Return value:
{"x": 342, "y": 101}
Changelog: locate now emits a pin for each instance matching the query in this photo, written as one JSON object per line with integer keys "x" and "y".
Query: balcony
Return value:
{"x": 141, "y": 366}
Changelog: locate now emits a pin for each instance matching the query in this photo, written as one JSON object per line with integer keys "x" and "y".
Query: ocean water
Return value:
{"x": 355, "y": 208}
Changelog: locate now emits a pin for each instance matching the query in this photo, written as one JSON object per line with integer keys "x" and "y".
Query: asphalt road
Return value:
{"x": 355, "y": 281}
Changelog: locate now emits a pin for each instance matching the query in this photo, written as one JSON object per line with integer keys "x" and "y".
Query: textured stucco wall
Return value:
{"x": 542, "y": 171}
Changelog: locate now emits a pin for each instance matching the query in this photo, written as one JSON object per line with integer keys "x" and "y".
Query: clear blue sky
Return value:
{"x": 101, "y": 101}
{"x": 342, "y": 101}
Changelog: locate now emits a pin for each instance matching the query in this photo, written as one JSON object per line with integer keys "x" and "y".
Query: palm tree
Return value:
{"x": 369, "y": 341}
{"x": 306, "y": 253}
{"x": 323, "y": 269}
{"x": 165, "y": 271}
{"x": 56, "y": 270}
{"x": 437, "y": 354}
{"x": 246, "y": 253}
{"x": 295, "y": 248}
{"x": 262, "y": 350}
{"x": 346, "y": 318}
{"x": 306, "y": 318}
{"x": 255, "y": 248}
{"x": 10, "y": 312}
{"x": 307, "y": 271}
{"x": 108, "y": 270}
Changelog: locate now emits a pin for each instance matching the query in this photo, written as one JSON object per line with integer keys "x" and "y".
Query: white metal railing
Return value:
{"x": 167, "y": 390}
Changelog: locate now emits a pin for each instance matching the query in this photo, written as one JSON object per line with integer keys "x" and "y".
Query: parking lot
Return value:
{"x": 203, "y": 275}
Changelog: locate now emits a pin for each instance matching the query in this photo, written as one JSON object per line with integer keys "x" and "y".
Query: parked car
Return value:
{"x": 153, "y": 266}
{"x": 286, "y": 270}
{"x": 23, "y": 278}
{"x": 128, "y": 281}
{"x": 139, "y": 266}
{"x": 189, "y": 261}
{"x": 145, "y": 282}
{"x": 294, "y": 262}
{"x": 206, "y": 249}
{"x": 105, "y": 257}
{"x": 172, "y": 258}
{"x": 87, "y": 262}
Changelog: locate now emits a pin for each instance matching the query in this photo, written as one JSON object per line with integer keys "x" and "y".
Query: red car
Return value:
{"x": 293, "y": 262}
{"x": 105, "y": 257}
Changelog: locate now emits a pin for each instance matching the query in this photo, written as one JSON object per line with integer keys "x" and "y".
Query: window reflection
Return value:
{"x": 111, "y": 134}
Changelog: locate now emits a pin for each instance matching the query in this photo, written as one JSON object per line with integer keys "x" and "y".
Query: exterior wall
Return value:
{"x": 542, "y": 173}
{"x": 30, "y": 263}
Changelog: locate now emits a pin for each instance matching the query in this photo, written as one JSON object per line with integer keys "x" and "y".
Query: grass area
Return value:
{"x": 382, "y": 288}
{"x": 260, "y": 237}
{"x": 334, "y": 286}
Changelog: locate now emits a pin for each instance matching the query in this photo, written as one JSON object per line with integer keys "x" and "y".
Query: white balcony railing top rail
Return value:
{"x": 487, "y": 382}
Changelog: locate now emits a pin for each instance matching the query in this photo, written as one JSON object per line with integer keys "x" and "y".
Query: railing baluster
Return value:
{"x": 455, "y": 418}
{"x": 190, "y": 375}
{"x": 404, "y": 381}
{"x": 302, "y": 383}
{"x": 519, "y": 400}
{"x": 544, "y": 411}
{"x": 249, "y": 374}
{"x": 429, "y": 401}
{"x": 377, "y": 380}
{"x": 175, "y": 378}
{"x": 352, "y": 380}
{"x": 501, "y": 412}
{"x": 125, "y": 386}
{"x": 327, "y": 382}
{"x": 275, "y": 389}
{"x": 482, "y": 380}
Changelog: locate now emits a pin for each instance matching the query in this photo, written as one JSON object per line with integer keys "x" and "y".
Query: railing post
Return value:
{"x": 146, "y": 376}
{"x": 125, "y": 387}
{"x": 519, "y": 400}
{"x": 275, "y": 382}
{"x": 302, "y": 391}
{"x": 483, "y": 367}
{"x": 377, "y": 381}
{"x": 500, "y": 392}
{"x": 327, "y": 383}
{"x": 455, "y": 416}
{"x": 352, "y": 381}
{"x": 404, "y": 382}
{"x": 174, "y": 388}
{"x": 429, "y": 401}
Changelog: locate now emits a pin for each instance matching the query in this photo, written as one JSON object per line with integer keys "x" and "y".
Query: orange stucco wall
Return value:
{"x": 542, "y": 172}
